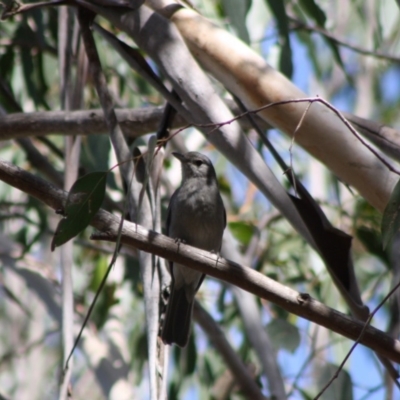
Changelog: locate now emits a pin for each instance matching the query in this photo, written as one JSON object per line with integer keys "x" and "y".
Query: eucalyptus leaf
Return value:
{"x": 83, "y": 202}
{"x": 191, "y": 356}
{"x": 242, "y": 231}
{"x": 279, "y": 11}
{"x": 314, "y": 11}
{"x": 372, "y": 240}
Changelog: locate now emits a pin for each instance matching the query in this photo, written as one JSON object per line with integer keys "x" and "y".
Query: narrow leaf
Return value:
{"x": 317, "y": 14}
{"x": 372, "y": 240}
{"x": 285, "y": 62}
{"x": 314, "y": 11}
{"x": 242, "y": 231}
{"x": 83, "y": 202}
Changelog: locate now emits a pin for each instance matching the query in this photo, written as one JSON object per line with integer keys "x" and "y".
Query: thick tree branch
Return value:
{"x": 134, "y": 122}
{"x": 246, "y": 278}
{"x": 140, "y": 121}
{"x": 244, "y": 73}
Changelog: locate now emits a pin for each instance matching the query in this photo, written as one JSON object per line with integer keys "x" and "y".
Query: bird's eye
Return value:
{"x": 198, "y": 163}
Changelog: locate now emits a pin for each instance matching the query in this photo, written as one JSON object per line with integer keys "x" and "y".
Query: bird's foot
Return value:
{"x": 179, "y": 242}
{"x": 217, "y": 253}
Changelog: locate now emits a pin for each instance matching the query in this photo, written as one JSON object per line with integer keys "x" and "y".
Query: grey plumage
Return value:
{"x": 196, "y": 216}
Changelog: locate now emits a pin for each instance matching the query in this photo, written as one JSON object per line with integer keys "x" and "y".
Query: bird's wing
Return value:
{"x": 168, "y": 222}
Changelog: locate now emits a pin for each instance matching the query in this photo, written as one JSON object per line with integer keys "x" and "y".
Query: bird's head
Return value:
{"x": 195, "y": 165}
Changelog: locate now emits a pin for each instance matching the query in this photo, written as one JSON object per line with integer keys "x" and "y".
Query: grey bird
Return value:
{"x": 196, "y": 216}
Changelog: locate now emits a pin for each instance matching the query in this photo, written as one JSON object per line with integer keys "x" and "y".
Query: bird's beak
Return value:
{"x": 179, "y": 156}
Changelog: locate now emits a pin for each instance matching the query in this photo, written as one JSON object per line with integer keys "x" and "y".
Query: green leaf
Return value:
{"x": 283, "y": 335}
{"x": 95, "y": 156}
{"x": 132, "y": 274}
{"x": 98, "y": 273}
{"x": 140, "y": 351}
{"x": 83, "y": 202}
{"x": 278, "y": 9}
{"x": 336, "y": 55}
{"x": 314, "y": 11}
{"x": 191, "y": 356}
{"x": 372, "y": 240}
{"x": 242, "y": 231}
{"x": 105, "y": 301}
{"x": 391, "y": 216}
{"x": 318, "y": 15}
{"x": 7, "y": 62}
{"x": 224, "y": 186}
{"x": 208, "y": 373}
{"x": 173, "y": 391}
{"x": 32, "y": 66}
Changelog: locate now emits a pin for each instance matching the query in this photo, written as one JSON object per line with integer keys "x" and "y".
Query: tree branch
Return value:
{"x": 133, "y": 122}
{"x": 134, "y": 235}
{"x": 244, "y": 73}
{"x": 299, "y": 25}
{"x": 383, "y": 136}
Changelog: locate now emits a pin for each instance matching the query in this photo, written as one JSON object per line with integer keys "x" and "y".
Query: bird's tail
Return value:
{"x": 176, "y": 328}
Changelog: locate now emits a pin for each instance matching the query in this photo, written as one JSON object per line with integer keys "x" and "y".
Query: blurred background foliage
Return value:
{"x": 321, "y": 45}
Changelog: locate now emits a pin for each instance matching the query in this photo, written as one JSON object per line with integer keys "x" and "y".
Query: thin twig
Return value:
{"x": 303, "y": 100}
{"x": 299, "y": 25}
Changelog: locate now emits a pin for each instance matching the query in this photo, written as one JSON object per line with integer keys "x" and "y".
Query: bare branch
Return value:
{"x": 134, "y": 235}
{"x": 133, "y": 122}
{"x": 299, "y": 25}
{"x": 246, "y": 74}
{"x": 383, "y": 136}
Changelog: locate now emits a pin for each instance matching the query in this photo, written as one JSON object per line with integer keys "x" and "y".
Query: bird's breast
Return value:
{"x": 198, "y": 217}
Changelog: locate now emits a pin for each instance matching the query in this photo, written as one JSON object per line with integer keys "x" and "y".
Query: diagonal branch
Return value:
{"x": 134, "y": 235}
{"x": 246, "y": 74}
{"x": 134, "y": 122}
{"x": 299, "y": 25}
